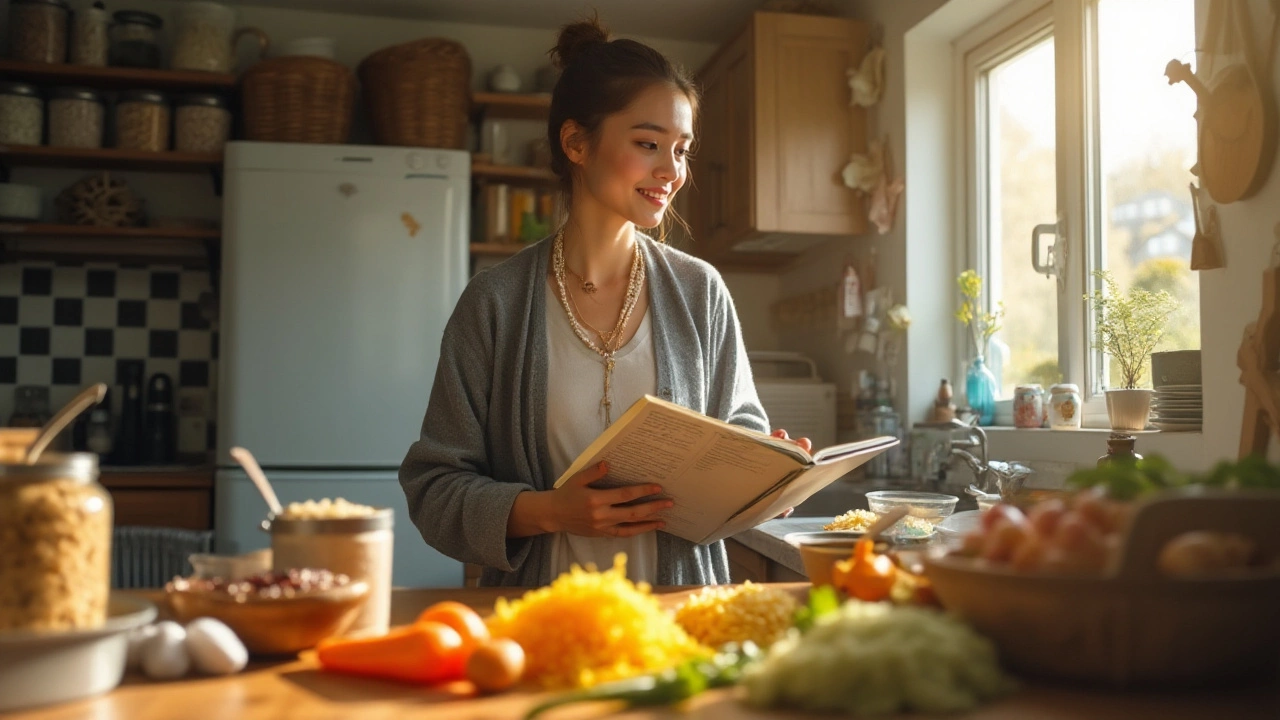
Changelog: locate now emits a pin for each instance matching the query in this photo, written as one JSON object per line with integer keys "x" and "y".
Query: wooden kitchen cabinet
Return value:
{"x": 176, "y": 498}
{"x": 776, "y": 130}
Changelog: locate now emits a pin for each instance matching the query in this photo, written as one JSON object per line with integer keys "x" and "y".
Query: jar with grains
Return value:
{"x": 75, "y": 118}
{"x": 55, "y": 544}
{"x": 358, "y": 545}
{"x": 142, "y": 121}
{"x": 38, "y": 30}
{"x": 205, "y": 37}
{"x": 89, "y": 42}
{"x": 21, "y": 114}
{"x": 135, "y": 39}
{"x": 201, "y": 124}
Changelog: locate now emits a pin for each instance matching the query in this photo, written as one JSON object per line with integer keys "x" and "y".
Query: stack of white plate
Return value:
{"x": 1178, "y": 408}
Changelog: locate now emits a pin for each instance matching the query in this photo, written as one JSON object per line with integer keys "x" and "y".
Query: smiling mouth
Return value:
{"x": 657, "y": 198}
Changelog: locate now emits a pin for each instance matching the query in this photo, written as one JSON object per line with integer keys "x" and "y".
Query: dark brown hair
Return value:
{"x": 598, "y": 78}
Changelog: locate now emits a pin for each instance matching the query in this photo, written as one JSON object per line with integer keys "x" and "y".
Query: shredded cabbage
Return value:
{"x": 876, "y": 659}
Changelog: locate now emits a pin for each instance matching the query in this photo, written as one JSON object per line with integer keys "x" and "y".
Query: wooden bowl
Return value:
{"x": 275, "y": 626}
{"x": 1134, "y": 626}
{"x": 820, "y": 550}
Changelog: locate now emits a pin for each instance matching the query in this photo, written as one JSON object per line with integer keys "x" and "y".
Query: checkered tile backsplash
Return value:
{"x": 65, "y": 327}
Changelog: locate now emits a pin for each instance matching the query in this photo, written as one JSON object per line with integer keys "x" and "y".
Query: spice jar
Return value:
{"x": 1065, "y": 407}
{"x": 75, "y": 118}
{"x": 135, "y": 39}
{"x": 1028, "y": 406}
{"x": 1119, "y": 450}
{"x": 38, "y": 30}
{"x": 201, "y": 124}
{"x": 21, "y": 114}
{"x": 205, "y": 37}
{"x": 359, "y": 547}
{"x": 89, "y": 42}
{"x": 55, "y": 547}
{"x": 142, "y": 121}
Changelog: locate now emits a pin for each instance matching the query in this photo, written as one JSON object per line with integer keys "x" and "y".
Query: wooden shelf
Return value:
{"x": 512, "y": 173}
{"x": 189, "y": 247}
{"x": 53, "y": 230}
{"x": 497, "y": 249}
{"x": 511, "y": 106}
{"x": 108, "y": 159}
{"x": 116, "y": 78}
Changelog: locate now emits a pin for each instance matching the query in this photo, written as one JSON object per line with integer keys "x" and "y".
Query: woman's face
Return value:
{"x": 639, "y": 162}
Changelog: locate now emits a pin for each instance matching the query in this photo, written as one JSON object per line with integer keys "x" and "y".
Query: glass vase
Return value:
{"x": 980, "y": 388}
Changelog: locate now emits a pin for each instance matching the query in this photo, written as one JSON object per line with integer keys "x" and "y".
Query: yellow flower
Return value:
{"x": 970, "y": 284}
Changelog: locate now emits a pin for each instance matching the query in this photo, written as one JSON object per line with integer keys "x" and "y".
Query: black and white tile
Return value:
{"x": 64, "y": 327}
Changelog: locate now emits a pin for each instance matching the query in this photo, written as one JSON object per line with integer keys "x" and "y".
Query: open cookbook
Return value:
{"x": 722, "y": 478}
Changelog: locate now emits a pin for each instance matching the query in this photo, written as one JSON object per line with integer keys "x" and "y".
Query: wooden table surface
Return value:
{"x": 297, "y": 690}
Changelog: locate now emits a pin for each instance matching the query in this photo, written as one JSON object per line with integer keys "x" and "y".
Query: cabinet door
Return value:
{"x": 707, "y": 171}
{"x": 740, "y": 166}
{"x": 805, "y": 127}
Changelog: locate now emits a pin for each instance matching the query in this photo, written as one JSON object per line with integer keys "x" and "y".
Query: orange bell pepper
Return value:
{"x": 865, "y": 575}
{"x": 424, "y": 652}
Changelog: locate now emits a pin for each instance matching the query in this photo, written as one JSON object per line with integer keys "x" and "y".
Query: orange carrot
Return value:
{"x": 866, "y": 575}
{"x": 424, "y": 652}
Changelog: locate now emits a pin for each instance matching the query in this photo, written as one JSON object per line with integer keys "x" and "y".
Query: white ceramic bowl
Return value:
{"x": 43, "y": 668}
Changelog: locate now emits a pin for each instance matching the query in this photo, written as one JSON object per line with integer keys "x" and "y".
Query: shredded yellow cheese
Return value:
{"x": 721, "y": 614}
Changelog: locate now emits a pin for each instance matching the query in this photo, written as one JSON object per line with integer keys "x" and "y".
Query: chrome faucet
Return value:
{"x": 974, "y": 438}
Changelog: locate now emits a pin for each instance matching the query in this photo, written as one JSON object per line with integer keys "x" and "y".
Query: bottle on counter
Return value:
{"x": 128, "y": 447}
{"x": 1119, "y": 450}
{"x": 158, "y": 447}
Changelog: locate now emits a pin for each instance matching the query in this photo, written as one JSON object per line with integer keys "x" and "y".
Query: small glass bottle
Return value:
{"x": 1119, "y": 450}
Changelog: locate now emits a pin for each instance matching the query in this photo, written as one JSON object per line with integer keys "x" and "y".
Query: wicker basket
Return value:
{"x": 418, "y": 94}
{"x": 298, "y": 99}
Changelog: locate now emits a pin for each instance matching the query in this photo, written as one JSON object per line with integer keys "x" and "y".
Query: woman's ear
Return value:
{"x": 573, "y": 140}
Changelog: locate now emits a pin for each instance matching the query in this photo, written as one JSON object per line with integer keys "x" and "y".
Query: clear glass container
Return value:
{"x": 142, "y": 121}
{"x": 21, "y": 114}
{"x": 1065, "y": 407}
{"x": 201, "y": 124}
{"x": 90, "y": 41}
{"x": 205, "y": 37}
{"x": 38, "y": 30}
{"x": 360, "y": 547}
{"x": 75, "y": 118}
{"x": 135, "y": 39}
{"x": 55, "y": 544}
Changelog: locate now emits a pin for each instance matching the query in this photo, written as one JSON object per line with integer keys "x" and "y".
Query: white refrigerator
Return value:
{"x": 340, "y": 267}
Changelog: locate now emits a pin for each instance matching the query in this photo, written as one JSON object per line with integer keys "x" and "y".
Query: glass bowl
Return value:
{"x": 927, "y": 506}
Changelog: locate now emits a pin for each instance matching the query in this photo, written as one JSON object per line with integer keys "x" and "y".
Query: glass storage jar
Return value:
{"x": 359, "y": 547}
{"x": 75, "y": 118}
{"x": 205, "y": 37}
{"x": 201, "y": 124}
{"x": 21, "y": 114}
{"x": 1065, "y": 407}
{"x": 55, "y": 544}
{"x": 89, "y": 39}
{"x": 38, "y": 30}
{"x": 1028, "y": 406}
{"x": 142, "y": 121}
{"x": 135, "y": 39}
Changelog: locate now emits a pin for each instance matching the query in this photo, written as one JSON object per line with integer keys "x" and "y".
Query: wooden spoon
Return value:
{"x": 886, "y": 521}
{"x": 259, "y": 478}
{"x": 87, "y": 398}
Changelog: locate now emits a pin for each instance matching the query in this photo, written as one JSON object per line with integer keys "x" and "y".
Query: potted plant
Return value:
{"x": 1129, "y": 326}
{"x": 979, "y": 383}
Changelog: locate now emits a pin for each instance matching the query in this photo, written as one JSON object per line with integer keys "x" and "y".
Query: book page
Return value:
{"x": 709, "y": 471}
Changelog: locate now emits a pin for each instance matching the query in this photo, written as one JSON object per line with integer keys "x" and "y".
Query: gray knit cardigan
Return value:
{"x": 484, "y": 437}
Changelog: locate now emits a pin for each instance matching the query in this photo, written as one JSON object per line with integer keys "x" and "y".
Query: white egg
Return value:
{"x": 164, "y": 657}
{"x": 214, "y": 648}
{"x": 137, "y": 639}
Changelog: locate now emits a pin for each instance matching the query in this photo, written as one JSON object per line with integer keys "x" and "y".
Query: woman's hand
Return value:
{"x": 805, "y": 444}
{"x": 582, "y": 510}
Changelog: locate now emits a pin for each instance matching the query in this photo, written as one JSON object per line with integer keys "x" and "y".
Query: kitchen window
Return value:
{"x": 1072, "y": 130}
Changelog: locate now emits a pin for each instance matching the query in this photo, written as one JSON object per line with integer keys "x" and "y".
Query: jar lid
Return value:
{"x": 381, "y": 519}
{"x": 150, "y": 96}
{"x": 79, "y": 467}
{"x": 1065, "y": 387}
{"x": 17, "y": 88}
{"x": 57, "y": 3}
{"x": 74, "y": 93}
{"x": 202, "y": 99}
{"x": 138, "y": 17}
{"x": 1033, "y": 387}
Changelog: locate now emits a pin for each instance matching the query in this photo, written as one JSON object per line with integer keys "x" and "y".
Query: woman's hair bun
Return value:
{"x": 576, "y": 38}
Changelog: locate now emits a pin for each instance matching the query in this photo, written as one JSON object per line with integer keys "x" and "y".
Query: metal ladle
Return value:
{"x": 87, "y": 398}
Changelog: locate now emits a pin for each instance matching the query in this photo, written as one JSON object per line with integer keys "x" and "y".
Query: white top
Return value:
{"x": 575, "y": 418}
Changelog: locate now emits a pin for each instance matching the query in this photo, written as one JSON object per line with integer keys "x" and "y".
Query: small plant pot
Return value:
{"x": 1129, "y": 409}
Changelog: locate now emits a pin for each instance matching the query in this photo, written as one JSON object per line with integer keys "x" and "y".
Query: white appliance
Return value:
{"x": 340, "y": 267}
{"x": 794, "y": 397}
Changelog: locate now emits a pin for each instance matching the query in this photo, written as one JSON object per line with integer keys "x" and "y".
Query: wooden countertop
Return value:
{"x": 297, "y": 690}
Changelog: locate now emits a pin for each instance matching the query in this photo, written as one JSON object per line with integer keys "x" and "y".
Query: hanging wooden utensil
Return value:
{"x": 1206, "y": 246}
{"x": 1236, "y": 114}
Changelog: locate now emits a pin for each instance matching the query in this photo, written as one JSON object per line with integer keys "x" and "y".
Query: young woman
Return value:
{"x": 546, "y": 349}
